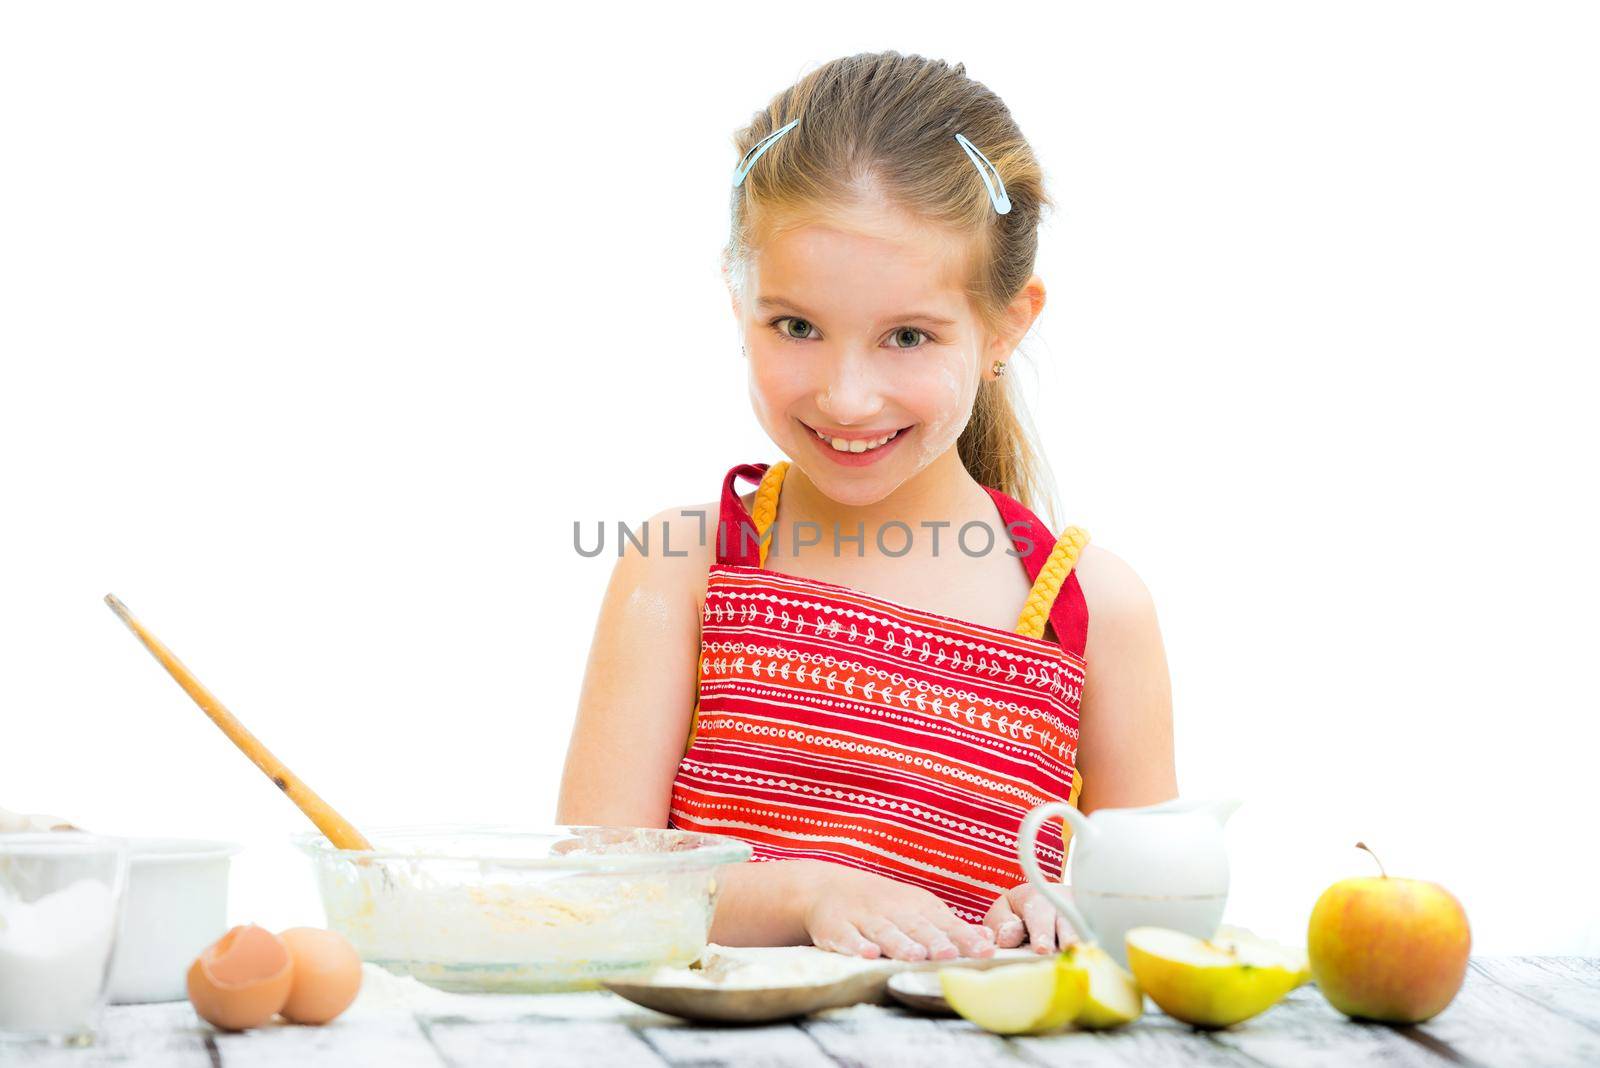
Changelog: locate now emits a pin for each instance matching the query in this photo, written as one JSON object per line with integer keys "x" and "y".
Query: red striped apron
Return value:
{"x": 832, "y": 724}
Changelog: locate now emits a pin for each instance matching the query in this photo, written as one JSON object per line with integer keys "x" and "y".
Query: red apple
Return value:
{"x": 1393, "y": 950}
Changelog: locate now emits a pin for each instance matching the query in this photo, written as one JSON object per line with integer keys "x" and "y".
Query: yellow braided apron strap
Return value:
{"x": 1062, "y": 559}
{"x": 764, "y": 507}
{"x": 694, "y": 717}
{"x": 1066, "y": 828}
{"x": 1036, "y": 613}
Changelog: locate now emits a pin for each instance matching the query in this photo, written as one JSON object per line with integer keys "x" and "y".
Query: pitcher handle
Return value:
{"x": 1026, "y": 853}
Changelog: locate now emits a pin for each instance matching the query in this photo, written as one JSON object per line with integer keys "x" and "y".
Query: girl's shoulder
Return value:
{"x": 683, "y": 537}
{"x": 1115, "y": 594}
{"x": 673, "y": 555}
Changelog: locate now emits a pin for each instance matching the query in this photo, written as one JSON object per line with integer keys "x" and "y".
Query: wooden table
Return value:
{"x": 1512, "y": 1011}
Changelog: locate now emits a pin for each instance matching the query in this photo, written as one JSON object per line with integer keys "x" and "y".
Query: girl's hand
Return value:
{"x": 865, "y": 915}
{"x": 22, "y": 821}
{"x": 1022, "y": 913}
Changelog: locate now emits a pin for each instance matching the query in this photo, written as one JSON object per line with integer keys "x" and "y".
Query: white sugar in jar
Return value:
{"x": 60, "y": 894}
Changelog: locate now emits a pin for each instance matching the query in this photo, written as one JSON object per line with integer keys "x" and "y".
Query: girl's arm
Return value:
{"x": 638, "y": 689}
{"x": 1124, "y": 727}
{"x": 1125, "y": 716}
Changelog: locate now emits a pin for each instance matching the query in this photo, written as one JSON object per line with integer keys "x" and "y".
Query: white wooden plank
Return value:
{"x": 391, "y": 1038}
{"x": 1494, "y": 1025}
{"x": 868, "y": 1035}
{"x": 591, "y": 1043}
{"x": 1568, "y": 986}
{"x": 777, "y": 1046}
{"x": 1304, "y": 1031}
{"x": 164, "y": 1033}
{"x": 1153, "y": 1041}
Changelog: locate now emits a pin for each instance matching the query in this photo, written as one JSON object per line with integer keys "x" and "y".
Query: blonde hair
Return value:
{"x": 886, "y": 123}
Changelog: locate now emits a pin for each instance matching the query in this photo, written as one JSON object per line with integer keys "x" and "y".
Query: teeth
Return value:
{"x": 841, "y": 445}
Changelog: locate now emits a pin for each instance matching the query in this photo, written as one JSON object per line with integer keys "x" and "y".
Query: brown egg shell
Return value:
{"x": 327, "y": 975}
{"x": 242, "y": 979}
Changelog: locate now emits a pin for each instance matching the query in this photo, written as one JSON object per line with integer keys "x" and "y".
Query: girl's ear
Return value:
{"x": 733, "y": 293}
{"x": 1020, "y": 314}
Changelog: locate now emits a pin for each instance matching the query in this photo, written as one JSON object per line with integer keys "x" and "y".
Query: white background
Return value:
{"x": 321, "y": 324}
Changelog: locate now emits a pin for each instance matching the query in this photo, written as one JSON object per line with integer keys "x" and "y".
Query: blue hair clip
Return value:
{"x": 1002, "y": 203}
{"x": 995, "y": 187}
{"x": 755, "y": 151}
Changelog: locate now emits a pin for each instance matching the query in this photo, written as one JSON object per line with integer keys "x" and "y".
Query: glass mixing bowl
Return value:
{"x": 477, "y": 908}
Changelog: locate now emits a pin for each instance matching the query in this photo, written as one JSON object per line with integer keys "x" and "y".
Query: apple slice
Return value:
{"x": 1253, "y": 947}
{"x": 1113, "y": 999}
{"x": 1016, "y": 999}
{"x": 1210, "y": 985}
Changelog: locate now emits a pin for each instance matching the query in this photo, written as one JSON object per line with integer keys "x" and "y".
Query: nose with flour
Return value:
{"x": 849, "y": 390}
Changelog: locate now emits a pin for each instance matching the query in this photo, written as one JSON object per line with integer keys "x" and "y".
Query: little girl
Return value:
{"x": 873, "y": 665}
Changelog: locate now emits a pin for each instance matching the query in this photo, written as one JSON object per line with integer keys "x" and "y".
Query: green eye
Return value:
{"x": 783, "y": 332}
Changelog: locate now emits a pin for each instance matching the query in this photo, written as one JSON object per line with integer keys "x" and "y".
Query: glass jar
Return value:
{"x": 60, "y": 904}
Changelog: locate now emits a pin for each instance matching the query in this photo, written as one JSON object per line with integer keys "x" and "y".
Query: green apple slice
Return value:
{"x": 1113, "y": 998}
{"x": 1206, "y": 984}
{"x": 1255, "y": 949}
{"x": 1016, "y": 999}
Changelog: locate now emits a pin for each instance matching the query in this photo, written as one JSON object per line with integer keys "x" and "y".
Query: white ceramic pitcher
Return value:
{"x": 1163, "y": 865}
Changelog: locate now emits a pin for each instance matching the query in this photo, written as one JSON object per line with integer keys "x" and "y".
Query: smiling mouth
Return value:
{"x": 856, "y": 444}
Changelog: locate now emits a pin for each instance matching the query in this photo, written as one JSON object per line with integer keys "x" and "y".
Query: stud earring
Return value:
{"x": 999, "y": 368}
